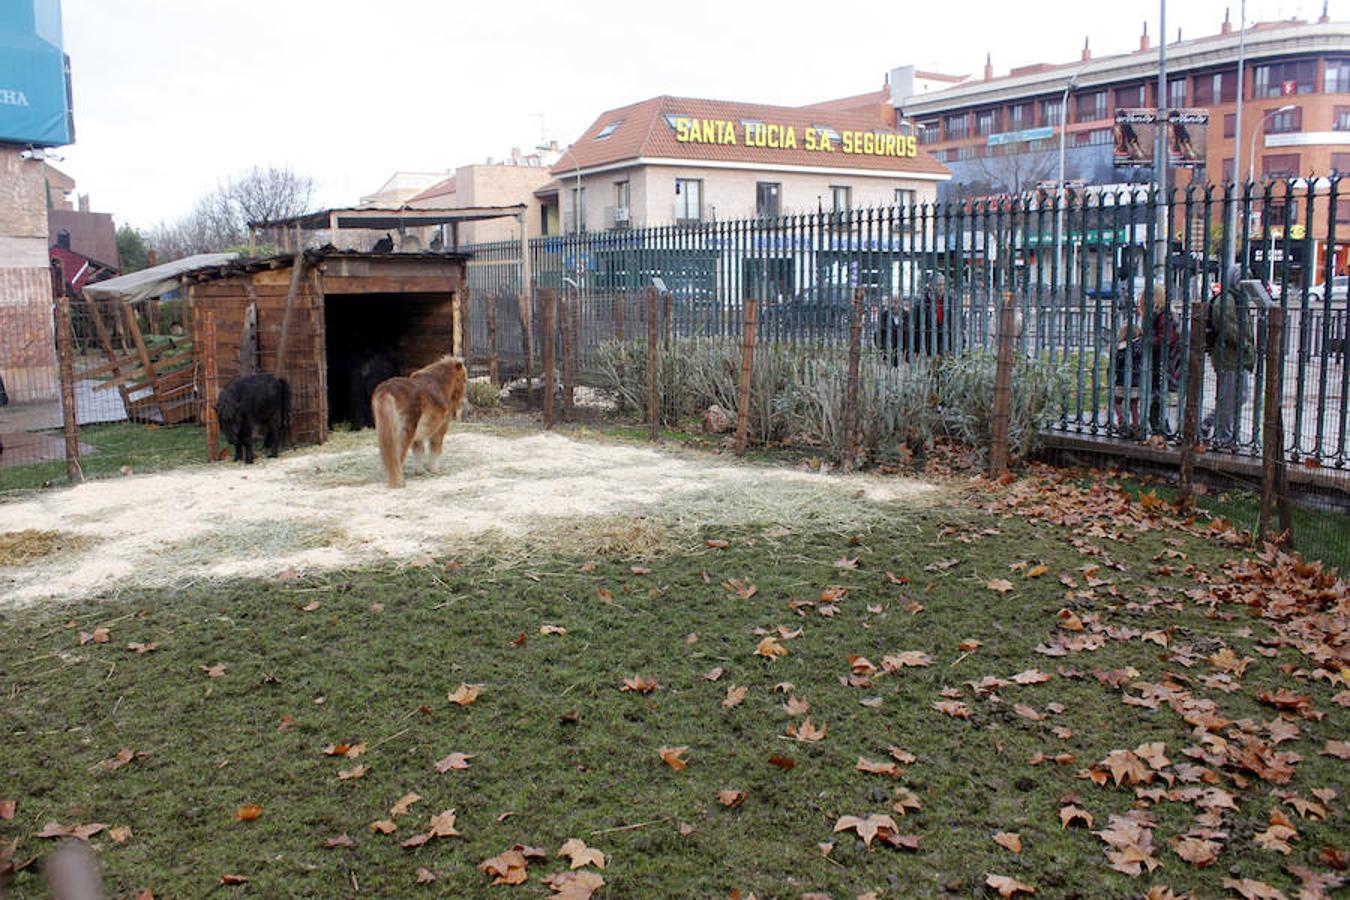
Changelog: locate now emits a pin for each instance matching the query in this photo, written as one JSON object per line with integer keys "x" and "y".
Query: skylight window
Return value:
{"x": 608, "y": 129}
{"x": 672, "y": 118}
{"x": 825, "y": 129}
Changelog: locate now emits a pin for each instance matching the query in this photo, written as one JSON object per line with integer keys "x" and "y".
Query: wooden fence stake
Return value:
{"x": 548, "y": 314}
{"x": 747, "y": 369}
{"x": 494, "y": 364}
{"x": 998, "y": 445}
{"x": 210, "y": 375}
{"x": 667, "y": 317}
{"x": 851, "y": 389}
{"x": 567, "y": 305}
{"x": 65, "y": 350}
{"x": 653, "y": 404}
{"x": 1190, "y": 421}
{"x": 1272, "y": 450}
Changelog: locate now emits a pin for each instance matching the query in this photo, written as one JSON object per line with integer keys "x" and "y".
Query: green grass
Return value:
{"x": 348, "y": 672}
{"x": 146, "y": 448}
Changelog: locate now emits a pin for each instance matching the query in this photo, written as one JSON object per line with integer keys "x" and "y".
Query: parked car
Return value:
{"x": 1339, "y": 285}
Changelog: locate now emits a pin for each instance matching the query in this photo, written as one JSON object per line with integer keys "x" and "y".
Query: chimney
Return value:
{"x": 988, "y": 67}
{"x": 1227, "y": 26}
{"x": 1178, "y": 35}
{"x": 1087, "y": 53}
{"x": 1143, "y": 38}
{"x": 1324, "y": 18}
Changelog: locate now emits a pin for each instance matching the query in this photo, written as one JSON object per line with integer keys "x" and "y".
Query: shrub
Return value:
{"x": 966, "y": 393}
{"x": 483, "y": 394}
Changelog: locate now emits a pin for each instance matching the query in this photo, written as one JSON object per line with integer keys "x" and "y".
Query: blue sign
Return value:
{"x": 1021, "y": 137}
{"x": 34, "y": 80}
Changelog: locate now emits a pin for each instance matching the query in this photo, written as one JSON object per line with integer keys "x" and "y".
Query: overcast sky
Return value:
{"x": 172, "y": 96}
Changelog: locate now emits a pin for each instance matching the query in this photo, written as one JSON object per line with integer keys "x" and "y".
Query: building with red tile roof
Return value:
{"x": 681, "y": 160}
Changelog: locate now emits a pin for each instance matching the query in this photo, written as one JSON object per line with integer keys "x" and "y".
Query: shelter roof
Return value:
{"x": 155, "y": 281}
{"x": 400, "y": 217}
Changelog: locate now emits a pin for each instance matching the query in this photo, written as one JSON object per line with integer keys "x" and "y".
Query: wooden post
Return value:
{"x": 998, "y": 445}
{"x": 456, "y": 324}
{"x": 653, "y": 402}
{"x": 1190, "y": 420}
{"x": 526, "y": 346}
{"x": 1272, "y": 450}
{"x": 65, "y": 350}
{"x": 288, "y": 316}
{"x": 748, "y": 330}
{"x": 494, "y": 365}
{"x": 465, "y": 350}
{"x": 667, "y": 314}
{"x": 526, "y": 301}
{"x": 566, "y": 308}
{"x": 851, "y": 389}
{"x": 210, "y": 375}
{"x": 548, "y": 300}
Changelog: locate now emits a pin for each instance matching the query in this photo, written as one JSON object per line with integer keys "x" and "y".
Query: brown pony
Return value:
{"x": 418, "y": 408}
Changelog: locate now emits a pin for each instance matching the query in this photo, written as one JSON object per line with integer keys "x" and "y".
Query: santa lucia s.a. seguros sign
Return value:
{"x": 34, "y": 75}
{"x": 809, "y": 139}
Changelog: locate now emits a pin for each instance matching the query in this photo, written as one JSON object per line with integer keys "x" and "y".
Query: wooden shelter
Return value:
{"x": 308, "y": 317}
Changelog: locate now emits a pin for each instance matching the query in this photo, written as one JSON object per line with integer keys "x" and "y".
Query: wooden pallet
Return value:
{"x": 167, "y": 371}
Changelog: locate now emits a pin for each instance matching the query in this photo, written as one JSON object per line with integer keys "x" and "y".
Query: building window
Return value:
{"x": 986, "y": 122}
{"x": 1284, "y": 79}
{"x": 1227, "y": 169}
{"x": 1052, "y": 112}
{"x": 1285, "y": 122}
{"x": 1098, "y": 137}
{"x": 1340, "y": 163}
{"x": 1340, "y": 120}
{"x": 688, "y": 200}
{"x": 930, "y": 132}
{"x": 1282, "y": 165}
{"x": 766, "y": 199}
{"x": 622, "y": 214}
{"x": 1229, "y": 125}
{"x": 906, "y": 197}
{"x": 1342, "y": 211}
{"x": 1216, "y": 87}
{"x": 1337, "y": 77}
{"x": 957, "y": 126}
{"x": 1090, "y": 107}
{"x": 1176, "y": 93}
{"x": 1130, "y": 97}
{"x": 608, "y": 129}
{"x": 579, "y": 209}
{"x": 1019, "y": 116}
{"x": 841, "y": 198}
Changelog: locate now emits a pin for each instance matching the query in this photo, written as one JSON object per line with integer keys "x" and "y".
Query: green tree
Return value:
{"x": 131, "y": 250}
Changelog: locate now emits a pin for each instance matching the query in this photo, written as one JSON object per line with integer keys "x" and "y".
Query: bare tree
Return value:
{"x": 1013, "y": 169}
{"x": 220, "y": 218}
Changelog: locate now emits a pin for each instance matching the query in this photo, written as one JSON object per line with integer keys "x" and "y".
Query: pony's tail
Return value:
{"x": 388, "y": 427}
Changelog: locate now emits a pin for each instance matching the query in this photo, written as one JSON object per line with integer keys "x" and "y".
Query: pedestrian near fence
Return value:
{"x": 1232, "y": 352}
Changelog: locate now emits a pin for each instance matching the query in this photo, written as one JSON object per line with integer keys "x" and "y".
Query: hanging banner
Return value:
{"x": 1187, "y": 137}
{"x": 34, "y": 76}
{"x": 1135, "y": 133}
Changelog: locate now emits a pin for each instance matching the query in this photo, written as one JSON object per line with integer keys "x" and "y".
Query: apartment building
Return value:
{"x": 1000, "y": 134}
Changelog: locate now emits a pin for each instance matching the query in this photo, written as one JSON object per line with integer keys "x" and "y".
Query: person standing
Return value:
{"x": 1232, "y": 352}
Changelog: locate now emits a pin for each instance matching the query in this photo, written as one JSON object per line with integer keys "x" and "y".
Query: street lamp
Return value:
{"x": 1070, "y": 86}
{"x": 576, "y": 206}
{"x": 1251, "y": 157}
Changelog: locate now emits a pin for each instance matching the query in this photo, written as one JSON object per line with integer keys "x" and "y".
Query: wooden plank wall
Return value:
{"x": 228, "y": 298}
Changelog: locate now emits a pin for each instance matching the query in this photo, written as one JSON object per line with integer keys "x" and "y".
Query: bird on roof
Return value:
{"x": 384, "y": 244}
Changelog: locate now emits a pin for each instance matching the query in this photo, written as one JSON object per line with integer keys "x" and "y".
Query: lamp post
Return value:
{"x": 1237, "y": 131}
{"x": 1251, "y": 157}
{"x": 1069, "y": 87}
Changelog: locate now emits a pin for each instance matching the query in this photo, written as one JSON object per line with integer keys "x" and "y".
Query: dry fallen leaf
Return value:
{"x": 233, "y": 879}
{"x": 465, "y": 694}
{"x": 120, "y": 834}
{"x": 1070, "y": 814}
{"x": 383, "y": 826}
{"x": 552, "y": 629}
{"x": 807, "y": 732}
{"x": 424, "y": 875}
{"x": 731, "y": 798}
{"x": 674, "y": 757}
{"x": 454, "y": 761}
{"x": 1002, "y": 585}
{"x": 574, "y": 885}
{"x": 954, "y": 708}
{"x": 357, "y": 771}
{"x": 216, "y": 671}
{"x": 796, "y": 707}
{"x": 889, "y": 769}
{"x": 867, "y": 827}
{"x": 735, "y": 696}
{"x": 1010, "y": 840}
{"x": 248, "y": 813}
{"x": 82, "y": 832}
{"x": 640, "y": 684}
{"x": 403, "y": 804}
{"x": 714, "y": 673}
{"x": 1007, "y": 886}
{"x": 342, "y": 840}
{"x": 769, "y": 648}
{"x": 140, "y": 649}
{"x": 581, "y": 855}
{"x": 7, "y": 809}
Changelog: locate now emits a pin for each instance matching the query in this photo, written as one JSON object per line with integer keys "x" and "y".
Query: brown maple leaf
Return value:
{"x": 1252, "y": 889}
{"x": 1010, "y": 840}
{"x": 465, "y": 694}
{"x": 866, "y": 827}
{"x": 640, "y": 684}
{"x": 580, "y": 855}
{"x": 674, "y": 757}
{"x": 888, "y": 769}
{"x": 807, "y": 732}
{"x": 342, "y": 840}
{"x": 403, "y": 804}
{"x": 1070, "y": 814}
{"x": 248, "y": 813}
{"x": 453, "y": 761}
{"x": 1002, "y": 585}
{"x": 769, "y": 648}
{"x": 731, "y": 798}
{"x": 357, "y": 771}
{"x": 216, "y": 671}
{"x": 1008, "y": 886}
{"x": 954, "y": 708}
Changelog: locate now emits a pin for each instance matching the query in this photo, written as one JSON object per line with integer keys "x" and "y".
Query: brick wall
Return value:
{"x": 27, "y": 346}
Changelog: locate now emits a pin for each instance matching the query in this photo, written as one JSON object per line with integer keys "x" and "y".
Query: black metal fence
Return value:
{"x": 1103, "y": 281}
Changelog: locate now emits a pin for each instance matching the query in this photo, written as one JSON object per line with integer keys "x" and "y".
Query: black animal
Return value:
{"x": 252, "y": 403}
{"x": 384, "y": 244}
{"x": 366, "y": 373}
